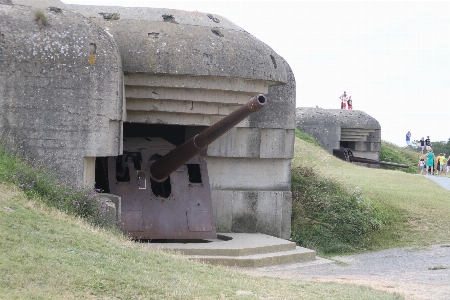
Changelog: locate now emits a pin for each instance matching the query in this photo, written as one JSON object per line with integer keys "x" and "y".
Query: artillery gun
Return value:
{"x": 165, "y": 189}
{"x": 347, "y": 155}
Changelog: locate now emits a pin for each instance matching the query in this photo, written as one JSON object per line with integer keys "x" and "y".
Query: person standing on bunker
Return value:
{"x": 344, "y": 99}
{"x": 349, "y": 103}
{"x": 408, "y": 139}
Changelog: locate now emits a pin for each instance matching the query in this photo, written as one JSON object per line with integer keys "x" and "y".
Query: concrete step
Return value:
{"x": 259, "y": 260}
{"x": 241, "y": 250}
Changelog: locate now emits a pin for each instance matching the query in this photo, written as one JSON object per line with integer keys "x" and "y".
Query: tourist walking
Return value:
{"x": 422, "y": 144}
{"x": 344, "y": 99}
{"x": 430, "y": 161}
{"x": 443, "y": 163}
{"x": 421, "y": 164}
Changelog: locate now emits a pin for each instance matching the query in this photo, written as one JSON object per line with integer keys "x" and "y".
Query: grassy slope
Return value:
{"x": 45, "y": 254}
{"x": 419, "y": 209}
{"x": 391, "y": 153}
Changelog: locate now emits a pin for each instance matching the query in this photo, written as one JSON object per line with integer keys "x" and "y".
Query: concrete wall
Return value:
{"x": 335, "y": 127}
{"x": 60, "y": 88}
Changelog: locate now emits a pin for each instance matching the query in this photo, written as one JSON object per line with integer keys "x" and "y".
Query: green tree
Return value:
{"x": 441, "y": 147}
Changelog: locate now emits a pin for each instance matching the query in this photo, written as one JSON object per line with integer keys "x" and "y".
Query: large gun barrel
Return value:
{"x": 347, "y": 155}
{"x": 170, "y": 162}
{"x": 379, "y": 162}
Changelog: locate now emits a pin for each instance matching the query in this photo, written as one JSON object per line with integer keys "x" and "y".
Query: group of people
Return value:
{"x": 428, "y": 161}
{"x": 346, "y": 101}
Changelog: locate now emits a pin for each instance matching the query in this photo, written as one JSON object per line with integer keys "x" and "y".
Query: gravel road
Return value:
{"x": 415, "y": 274}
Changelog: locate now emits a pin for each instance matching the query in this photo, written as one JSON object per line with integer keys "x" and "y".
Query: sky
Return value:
{"x": 391, "y": 57}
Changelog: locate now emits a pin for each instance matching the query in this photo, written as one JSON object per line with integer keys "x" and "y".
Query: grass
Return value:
{"x": 41, "y": 18}
{"x": 328, "y": 217}
{"x": 412, "y": 209}
{"x": 47, "y": 254}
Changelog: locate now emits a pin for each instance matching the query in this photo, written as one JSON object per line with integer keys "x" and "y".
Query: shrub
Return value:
{"x": 328, "y": 218}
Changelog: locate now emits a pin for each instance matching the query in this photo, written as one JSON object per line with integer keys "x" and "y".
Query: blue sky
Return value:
{"x": 392, "y": 57}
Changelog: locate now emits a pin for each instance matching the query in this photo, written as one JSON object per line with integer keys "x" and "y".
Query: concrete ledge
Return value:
{"x": 242, "y": 250}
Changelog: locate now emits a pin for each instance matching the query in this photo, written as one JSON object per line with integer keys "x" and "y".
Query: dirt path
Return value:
{"x": 411, "y": 273}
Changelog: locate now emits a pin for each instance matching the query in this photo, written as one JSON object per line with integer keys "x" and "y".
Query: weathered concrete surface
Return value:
{"x": 268, "y": 212}
{"x": 334, "y": 128}
{"x": 60, "y": 88}
{"x": 280, "y": 110}
{"x": 167, "y": 41}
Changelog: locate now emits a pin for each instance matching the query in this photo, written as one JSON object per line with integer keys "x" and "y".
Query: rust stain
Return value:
{"x": 92, "y": 58}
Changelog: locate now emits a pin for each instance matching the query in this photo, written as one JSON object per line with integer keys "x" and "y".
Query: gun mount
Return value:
{"x": 347, "y": 155}
{"x": 165, "y": 189}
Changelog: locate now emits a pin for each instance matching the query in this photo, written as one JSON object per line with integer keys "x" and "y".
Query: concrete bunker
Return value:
{"x": 104, "y": 76}
{"x": 336, "y": 128}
